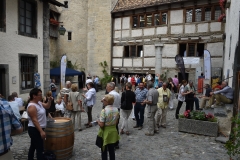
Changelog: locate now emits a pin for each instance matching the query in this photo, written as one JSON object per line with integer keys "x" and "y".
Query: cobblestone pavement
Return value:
{"x": 168, "y": 144}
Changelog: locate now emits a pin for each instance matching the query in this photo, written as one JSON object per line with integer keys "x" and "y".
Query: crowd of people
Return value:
{"x": 138, "y": 93}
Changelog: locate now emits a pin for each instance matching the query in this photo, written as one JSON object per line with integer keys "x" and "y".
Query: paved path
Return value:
{"x": 168, "y": 144}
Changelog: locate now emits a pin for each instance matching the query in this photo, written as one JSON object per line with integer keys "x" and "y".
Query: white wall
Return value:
{"x": 231, "y": 29}
{"x": 12, "y": 44}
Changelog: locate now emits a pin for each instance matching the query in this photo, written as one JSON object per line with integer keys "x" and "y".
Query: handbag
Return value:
{"x": 25, "y": 115}
{"x": 99, "y": 139}
{"x": 69, "y": 104}
{"x": 124, "y": 103}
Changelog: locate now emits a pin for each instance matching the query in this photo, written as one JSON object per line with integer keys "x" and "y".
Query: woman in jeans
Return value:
{"x": 90, "y": 100}
{"x": 181, "y": 97}
{"x": 129, "y": 97}
{"x": 37, "y": 122}
{"x": 108, "y": 119}
{"x": 75, "y": 98}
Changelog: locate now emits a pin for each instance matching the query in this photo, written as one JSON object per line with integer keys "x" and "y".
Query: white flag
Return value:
{"x": 63, "y": 70}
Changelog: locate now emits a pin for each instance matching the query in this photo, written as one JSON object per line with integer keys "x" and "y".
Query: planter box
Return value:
{"x": 198, "y": 127}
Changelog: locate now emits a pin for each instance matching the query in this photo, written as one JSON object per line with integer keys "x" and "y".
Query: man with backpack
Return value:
{"x": 122, "y": 82}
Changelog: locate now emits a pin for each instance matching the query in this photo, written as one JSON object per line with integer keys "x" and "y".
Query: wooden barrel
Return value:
{"x": 60, "y": 137}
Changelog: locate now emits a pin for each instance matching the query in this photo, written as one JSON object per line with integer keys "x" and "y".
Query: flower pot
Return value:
{"x": 198, "y": 127}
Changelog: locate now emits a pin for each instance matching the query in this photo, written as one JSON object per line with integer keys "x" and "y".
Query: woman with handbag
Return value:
{"x": 107, "y": 132}
{"x": 89, "y": 100}
{"x": 37, "y": 122}
{"x": 128, "y": 97}
{"x": 76, "y": 103}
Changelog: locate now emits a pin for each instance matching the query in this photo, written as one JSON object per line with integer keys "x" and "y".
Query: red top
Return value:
{"x": 133, "y": 81}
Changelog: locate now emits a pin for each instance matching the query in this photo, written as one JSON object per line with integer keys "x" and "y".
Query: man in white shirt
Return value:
{"x": 129, "y": 78}
{"x": 18, "y": 100}
{"x": 117, "y": 102}
{"x": 14, "y": 105}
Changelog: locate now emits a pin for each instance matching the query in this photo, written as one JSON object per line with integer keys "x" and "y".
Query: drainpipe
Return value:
{"x": 158, "y": 53}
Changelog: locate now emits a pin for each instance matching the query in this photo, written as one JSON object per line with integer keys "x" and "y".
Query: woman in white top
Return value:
{"x": 37, "y": 122}
{"x": 181, "y": 97}
{"x": 90, "y": 100}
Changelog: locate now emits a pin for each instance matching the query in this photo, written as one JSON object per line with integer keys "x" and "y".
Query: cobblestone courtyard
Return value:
{"x": 168, "y": 144}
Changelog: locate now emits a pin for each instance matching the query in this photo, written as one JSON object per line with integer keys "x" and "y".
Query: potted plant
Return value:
{"x": 198, "y": 122}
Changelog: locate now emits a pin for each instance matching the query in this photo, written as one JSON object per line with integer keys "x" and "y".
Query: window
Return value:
{"x": 27, "y": 71}
{"x": 27, "y": 18}
{"x": 203, "y": 13}
{"x": 191, "y": 49}
{"x": 149, "y": 19}
{"x": 2, "y": 16}
{"x": 133, "y": 51}
{"x": 69, "y": 36}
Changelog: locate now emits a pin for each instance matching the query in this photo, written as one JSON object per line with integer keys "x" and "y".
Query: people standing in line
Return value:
{"x": 53, "y": 88}
{"x": 14, "y": 105}
{"x": 75, "y": 98}
{"x": 89, "y": 100}
{"x": 206, "y": 97}
{"x": 108, "y": 120}
{"x": 163, "y": 101}
{"x": 151, "y": 105}
{"x": 129, "y": 97}
{"x": 17, "y": 99}
{"x": 139, "y": 108}
{"x": 117, "y": 102}
{"x": 133, "y": 81}
{"x": 171, "y": 86}
{"x": 175, "y": 80}
{"x": 191, "y": 97}
{"x": 37, "y": 122}
{"x": 10, "y": 126}
{"x": 156, "y": 81}
{"x": 181, "y": 97}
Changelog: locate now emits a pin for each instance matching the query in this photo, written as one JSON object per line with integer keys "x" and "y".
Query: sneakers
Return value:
{"x": 213, "y": 106}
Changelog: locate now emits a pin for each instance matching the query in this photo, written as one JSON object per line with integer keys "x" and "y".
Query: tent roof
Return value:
{"x": 69, "y": 72}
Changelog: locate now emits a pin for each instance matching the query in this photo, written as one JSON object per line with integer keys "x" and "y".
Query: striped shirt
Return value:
{"x": 8, "y": 122}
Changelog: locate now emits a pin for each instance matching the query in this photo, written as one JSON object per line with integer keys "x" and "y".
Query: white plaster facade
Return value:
{"x": 12, "y": 45}
{"x": 232, "y": 38}
{"x": 174, "y": 33}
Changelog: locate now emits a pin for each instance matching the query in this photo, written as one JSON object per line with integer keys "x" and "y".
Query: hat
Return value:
{"x": 88, "y": 81}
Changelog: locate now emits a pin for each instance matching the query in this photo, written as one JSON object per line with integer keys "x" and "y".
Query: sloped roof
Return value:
{"x": 124, "y": 5}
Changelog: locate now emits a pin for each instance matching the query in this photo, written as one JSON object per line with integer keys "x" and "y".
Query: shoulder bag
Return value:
{"x": 124, "y": 103}
{"x": 69, "y": 104}
{"x": 99, "y": 139}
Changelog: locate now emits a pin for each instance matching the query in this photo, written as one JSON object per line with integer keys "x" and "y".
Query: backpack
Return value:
{"x": 174, "y": 88}
{"x": 122, "y": 79}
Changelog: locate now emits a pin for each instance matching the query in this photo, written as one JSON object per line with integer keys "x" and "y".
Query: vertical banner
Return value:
{"x": 63, "y": 70}
{"x": 207, "y": 65}
{"x": 180, "y": 63}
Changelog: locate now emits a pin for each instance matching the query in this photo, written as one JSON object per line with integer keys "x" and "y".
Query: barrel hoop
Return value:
{"x": 62, "y": 149}
{"x": 62, "y": 130}
{"x": 59, "y": 124}
{"x": 57, "y": 136}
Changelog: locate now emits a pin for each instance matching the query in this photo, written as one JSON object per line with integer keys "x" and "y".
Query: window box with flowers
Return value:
{"x": 198, "y": 122}
{"x": 54, "y": 22}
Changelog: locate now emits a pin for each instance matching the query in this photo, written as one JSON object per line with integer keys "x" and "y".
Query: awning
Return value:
{"x": 69, "y": 72}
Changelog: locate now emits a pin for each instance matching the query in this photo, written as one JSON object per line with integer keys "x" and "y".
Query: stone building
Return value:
{"x": 24, "y": 43}
{"x": 87, "y": 41}
{"x": 143, "y": 29}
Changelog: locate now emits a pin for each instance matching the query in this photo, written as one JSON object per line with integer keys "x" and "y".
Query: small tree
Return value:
{"x": 107, "y": 77}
